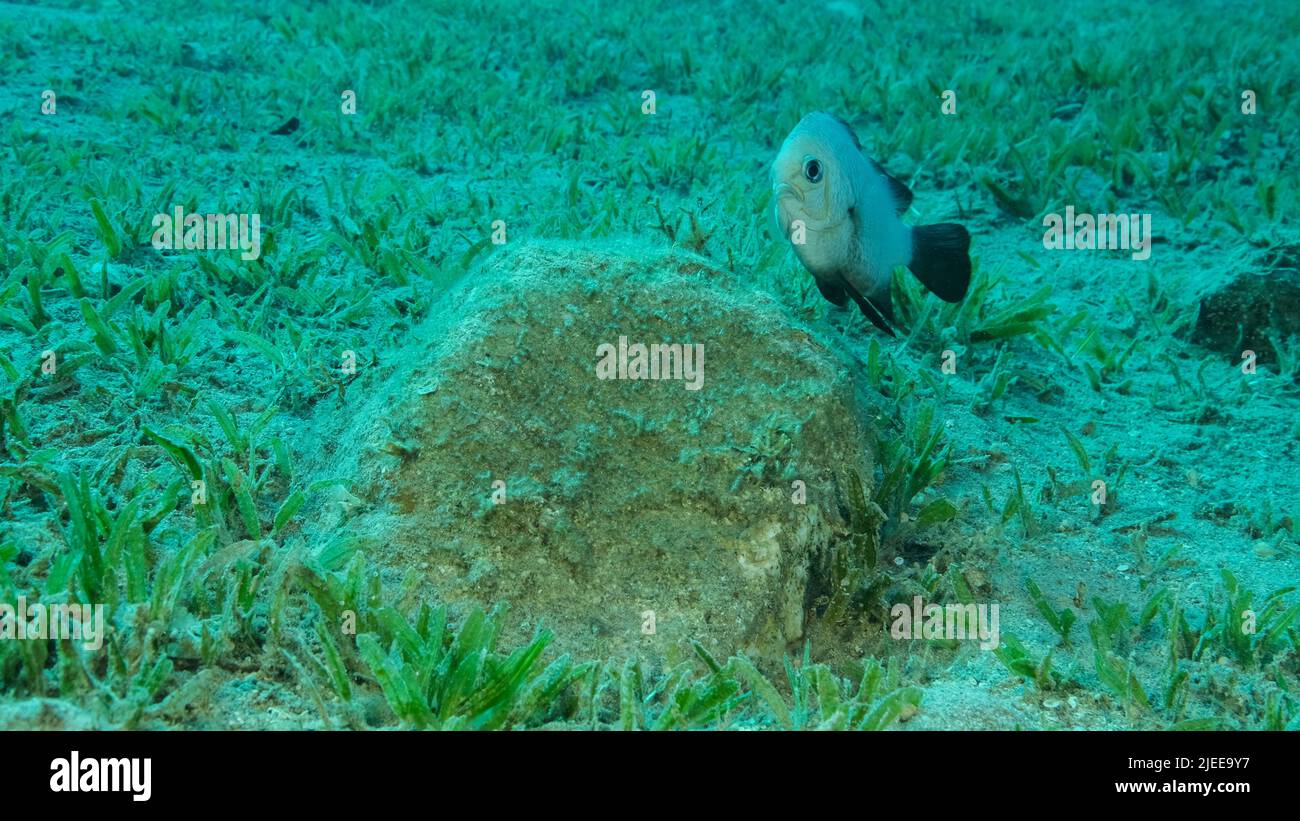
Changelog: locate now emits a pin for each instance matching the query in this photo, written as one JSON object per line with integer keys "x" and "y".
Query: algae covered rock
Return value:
{"x": 1255, "y": 309}
{"x": 528, "y": 451}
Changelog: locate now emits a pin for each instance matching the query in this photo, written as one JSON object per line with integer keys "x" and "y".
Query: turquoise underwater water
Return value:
{"x": 328, "y": 387}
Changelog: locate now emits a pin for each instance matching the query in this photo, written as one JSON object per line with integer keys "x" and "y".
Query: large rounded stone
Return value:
{"x": 628, "y": 515}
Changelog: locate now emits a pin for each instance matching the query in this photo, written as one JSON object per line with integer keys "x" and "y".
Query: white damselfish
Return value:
{"x": 841, "y": 212}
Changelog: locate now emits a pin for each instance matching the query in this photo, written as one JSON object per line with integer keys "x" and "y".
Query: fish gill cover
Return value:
{"x": 483, "y": 365}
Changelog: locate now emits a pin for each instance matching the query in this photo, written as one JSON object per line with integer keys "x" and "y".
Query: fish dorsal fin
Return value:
{"x": 847, "y": 128}
{"x": 901, "y": 194}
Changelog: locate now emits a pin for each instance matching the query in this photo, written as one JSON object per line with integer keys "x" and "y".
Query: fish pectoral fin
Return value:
{"x": 900, "y": 193}
{"x": 878, "y": 308}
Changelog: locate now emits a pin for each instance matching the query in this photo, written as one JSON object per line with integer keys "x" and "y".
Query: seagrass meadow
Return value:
{"x": 438, "y": 365}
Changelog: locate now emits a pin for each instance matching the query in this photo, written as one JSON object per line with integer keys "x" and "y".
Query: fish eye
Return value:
{"x": 812, "y": 169}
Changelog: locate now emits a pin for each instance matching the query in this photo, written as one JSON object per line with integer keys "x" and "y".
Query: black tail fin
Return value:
{"x": 940, "y": 259}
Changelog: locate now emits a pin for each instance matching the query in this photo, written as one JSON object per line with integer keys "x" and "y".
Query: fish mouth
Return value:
{"x": 784, "y": 189}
